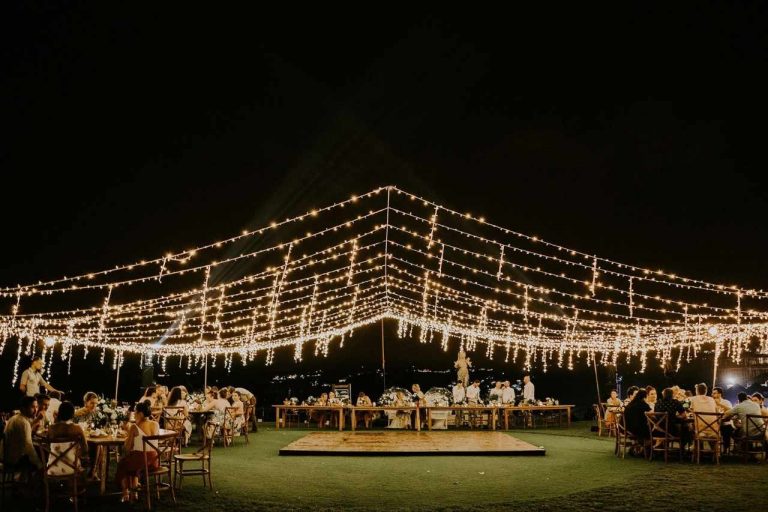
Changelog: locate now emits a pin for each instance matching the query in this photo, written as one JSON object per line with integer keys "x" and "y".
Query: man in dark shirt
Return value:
{"x": 675, "y": 414}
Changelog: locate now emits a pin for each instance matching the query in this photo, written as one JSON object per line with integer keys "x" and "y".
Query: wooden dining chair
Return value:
{"x": 202, "y": 455}
{"x": 753, "y": 441}
{"x": 165, "y": 446}
{"x": 249, "y": 412}
{"x": 707, "y": 433}
{"x": 61, "y": 458}
{"x": 624, "y": 438}
{"x": 662, "y": 440}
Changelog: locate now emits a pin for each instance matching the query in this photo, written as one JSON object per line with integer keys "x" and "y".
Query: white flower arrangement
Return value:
{"x": 438, "y": 397}
{"x": 389, "y": 396}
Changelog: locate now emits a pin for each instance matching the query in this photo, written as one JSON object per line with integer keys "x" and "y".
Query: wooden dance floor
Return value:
{"x": 410, "y": 443}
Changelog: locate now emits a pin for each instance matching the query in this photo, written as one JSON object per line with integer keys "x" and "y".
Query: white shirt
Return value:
{"x": 495, "y": 392}
{"x": 458, "y": 393}
{"x": 508, "y": 395}
{"x": 703, "y": 403}
{"x": 473, "y": 393}
{"x": 53, "y": 408}
{"x": 528, "y": 390}
{"x": 33, "y": 381}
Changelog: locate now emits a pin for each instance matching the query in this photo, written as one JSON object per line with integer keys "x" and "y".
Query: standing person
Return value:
{"x": 473, "y": 392}
{"x": 529, "y": 391}
{"x": 32, "y": 378}
{"x": 508, "y": 394}
{"x": 459, "y": 392}
{"x": 496, "y": 391}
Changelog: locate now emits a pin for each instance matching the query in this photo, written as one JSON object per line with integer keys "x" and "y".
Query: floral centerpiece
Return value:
{"x": 438, "y": 397}
{"x": 551, "y": 401}
{"x": 195, "y": 400}
{"x": 389, "y": 396}
{"x": 107, "y": 413}
{"x": 310, "y": 400}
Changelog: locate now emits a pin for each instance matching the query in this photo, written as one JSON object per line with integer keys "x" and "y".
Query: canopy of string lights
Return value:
{"x": 387, "y": 254}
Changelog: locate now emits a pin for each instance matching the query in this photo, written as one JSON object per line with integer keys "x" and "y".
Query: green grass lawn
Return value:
{"x": 579, "y": 472}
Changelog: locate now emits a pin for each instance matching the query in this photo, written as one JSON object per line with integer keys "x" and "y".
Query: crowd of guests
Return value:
{"x": 680, "y": 406}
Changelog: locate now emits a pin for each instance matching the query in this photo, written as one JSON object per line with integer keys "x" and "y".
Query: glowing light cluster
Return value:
{"x": 440, "y": 274}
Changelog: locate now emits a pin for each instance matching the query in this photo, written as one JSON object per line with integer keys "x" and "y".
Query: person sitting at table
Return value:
{"x": 760, "y": 400}
{"x": 53, "y": 407}
{"x": 132, "y": 463}
{"x": 161, "y": 399}
{"x": 613, "y": 404}
{"x": 41, "y": 422}
{"x": 701, "y": 402}
{"x": 150, "y": 394}
{"x": 64, "y": 427}
{"x": 726, "y": 427}
{"x": 631, "y": 391}
{"x": 239, "y": 414}
{"x": 678, "y": 393}
{"x": 675, "y": 415}
{"x": 218, "y": 406}
{"x": 364, "y": 401}
{"x": 399, "y": 418}
{"x": 634, "y": 415}
{"x": 651, "y": 397}
{"x": 741, "y": 410}
{"x": 178, "y": 398}
{"x": 320, "y": 417}
{"x": 18, "y": 452}
{"x": 87, "y": 413}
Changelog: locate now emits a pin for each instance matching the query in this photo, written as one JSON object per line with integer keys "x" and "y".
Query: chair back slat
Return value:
{"x": 658, "y": 424}
{"x": 755, "y": 427}
{"x": 67, "y": 459}
{"x": 707, "y": 424}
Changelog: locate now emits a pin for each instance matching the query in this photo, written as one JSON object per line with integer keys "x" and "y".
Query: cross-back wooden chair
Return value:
{"x": 175, "y": 419}
{"x": 707, "y": 433}
{"x": 661, "y": 438}
{"x": 600, "y": 417}
{"x": 165, "y": 446}
{"x": 61, "y": 459}
{"x": 753, "y": 441}
{"x": 226, "y": 430}
{"x": 249, "y": 412}
{"x": 156, "y": 413}
{"x": 202, "y": 455}
{"x": 624, "y": 438}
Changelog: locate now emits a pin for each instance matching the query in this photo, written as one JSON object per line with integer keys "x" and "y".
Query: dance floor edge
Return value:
{"x": 410, "y": 443}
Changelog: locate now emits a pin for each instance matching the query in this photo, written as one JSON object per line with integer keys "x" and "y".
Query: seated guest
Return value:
{"x": 418, "y": 395}
{"x": 744, "y": 408}
{"x": 87, "y": 413}
{"x": 161, "y": 398}
{"x": 459, "y": 393}
{"x": 675, "y": 414}
{"x": 613, "y": 404}
{"x": 53, "y": 408}
{"x": 18, "y": 451}
{"x": 631, "y": 391}
{"x": 64, "y": 427}
{"x": 218, "y": 406}
{"x": 246, "y": 396}
{"x": 364, "y": 401}
{"x": 496, "y": 391}
{"x": 320, "y": 417}
{"x": 178, "y": 398}
{"x": 678, "y": 394}
{"x": 508, "y": 394}
{"x": 701, "y": 402}
{"x": 150, "y": 394}
{"x": 41, "y": 423}
{"x": 239, "y": 414}
{"x": 634, "y": 415}
{"x": 132, "y": 463}
{"x": 473, "y": 392}
{"x": 651, "y": 396}
{"x": 759, "y": 400}
{"x": 723, "y": 405}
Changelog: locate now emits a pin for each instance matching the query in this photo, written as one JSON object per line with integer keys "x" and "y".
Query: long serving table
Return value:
{"x": 535, "y": 408}
{"x": 281, "y": 412}
{"x": 493, "y": 411}
{"x": 384, "y": 408}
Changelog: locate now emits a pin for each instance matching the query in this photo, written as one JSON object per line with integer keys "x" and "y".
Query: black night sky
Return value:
{"x": 637, "y": 134}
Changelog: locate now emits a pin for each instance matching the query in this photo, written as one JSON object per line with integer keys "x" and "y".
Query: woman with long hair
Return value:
{"x": 132, "y": 463}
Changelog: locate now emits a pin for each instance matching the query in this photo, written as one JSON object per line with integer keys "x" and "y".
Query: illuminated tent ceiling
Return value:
{"x": 386, "y": 254}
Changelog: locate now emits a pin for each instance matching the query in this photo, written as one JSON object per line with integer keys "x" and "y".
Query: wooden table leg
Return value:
{"x": 277, "y": 418}
{"x": 429, "y": 419}
{"x": 493, "y": 414}
{"x": 506, "y": 419}
{"x": 354, "y": 420}
{"x": 568, "y": 412}
{"x": 341, "y": 420}
{"x": 103, "y": 469}
{"x": 418, "y": 420}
